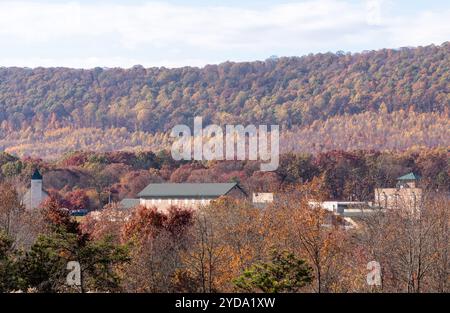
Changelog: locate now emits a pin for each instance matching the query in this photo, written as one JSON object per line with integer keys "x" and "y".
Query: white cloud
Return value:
{"x": 34, "y": 22}
{"x": 156, "y": 33}
{"x": 374, "y": 12}
{"x": 427, "y": 27}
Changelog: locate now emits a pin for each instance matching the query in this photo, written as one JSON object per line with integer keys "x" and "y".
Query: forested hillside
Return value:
{"x": 290, "y": 91}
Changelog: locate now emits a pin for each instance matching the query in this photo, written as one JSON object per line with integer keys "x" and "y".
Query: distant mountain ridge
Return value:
{"x": 290, "y": 91}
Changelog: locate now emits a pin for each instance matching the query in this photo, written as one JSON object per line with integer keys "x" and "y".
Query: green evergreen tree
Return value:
{"x": 284, "y": 273}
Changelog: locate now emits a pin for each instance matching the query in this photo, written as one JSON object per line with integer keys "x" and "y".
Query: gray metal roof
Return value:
{"x": 129, "y": 203}
{"x": 187, "y": 190}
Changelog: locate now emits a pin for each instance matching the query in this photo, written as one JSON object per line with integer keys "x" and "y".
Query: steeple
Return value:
{"x": 36, "y": 175}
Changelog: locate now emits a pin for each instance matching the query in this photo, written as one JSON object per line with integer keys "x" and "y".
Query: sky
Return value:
{"x": 100, "y": 33}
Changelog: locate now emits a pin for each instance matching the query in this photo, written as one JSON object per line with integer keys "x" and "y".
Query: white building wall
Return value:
{"x": 163, "y": 204}
{"x": 262, "y": 197}
{"x": 35, "y": 193}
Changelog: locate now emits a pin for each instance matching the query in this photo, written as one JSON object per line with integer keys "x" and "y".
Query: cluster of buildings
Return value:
{"x": 405, "y": 194}
{"x": 161, "y": 196}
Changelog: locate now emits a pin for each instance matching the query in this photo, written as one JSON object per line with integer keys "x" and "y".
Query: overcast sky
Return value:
{"x": 86, "y": 34}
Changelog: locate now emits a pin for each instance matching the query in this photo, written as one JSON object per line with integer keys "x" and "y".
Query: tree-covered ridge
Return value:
{"x": 287, "y": 91}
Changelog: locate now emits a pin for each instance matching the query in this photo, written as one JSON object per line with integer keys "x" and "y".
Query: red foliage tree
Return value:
{"x": 77, "y": 200}
{"x": 147, "y": 223}
{"x": 56, "y": 215}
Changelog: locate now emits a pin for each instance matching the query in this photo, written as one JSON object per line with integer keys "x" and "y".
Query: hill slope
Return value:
{"x": 293, "y": 92}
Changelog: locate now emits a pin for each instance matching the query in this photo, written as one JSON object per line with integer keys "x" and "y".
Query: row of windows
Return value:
{"x": 177, "y": 201}
{"x": 395, "y": 196}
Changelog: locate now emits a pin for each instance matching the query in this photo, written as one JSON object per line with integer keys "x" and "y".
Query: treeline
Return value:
{"x": 287, "y": 91}
{"x": 91, "y": 180}
{"x": 381, "y": 131}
